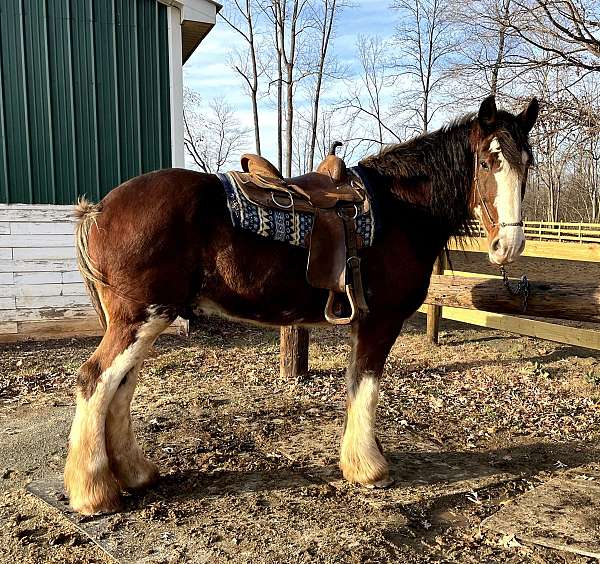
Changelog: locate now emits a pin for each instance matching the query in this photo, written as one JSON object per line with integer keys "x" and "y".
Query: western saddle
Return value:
{"x": 334, "y": 197}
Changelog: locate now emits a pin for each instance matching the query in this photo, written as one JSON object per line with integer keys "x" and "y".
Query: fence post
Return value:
{"x": 434, "y": 312}
{"x": 293, "y": 351}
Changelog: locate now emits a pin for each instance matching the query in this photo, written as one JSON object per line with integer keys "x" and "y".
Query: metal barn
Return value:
{"x": 91, "y": 94}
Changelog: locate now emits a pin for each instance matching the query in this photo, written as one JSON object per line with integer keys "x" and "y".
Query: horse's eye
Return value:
{"x": 484, "y": 165}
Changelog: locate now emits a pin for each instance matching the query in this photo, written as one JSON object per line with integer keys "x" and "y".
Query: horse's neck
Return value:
{"x": 433, "y": 173}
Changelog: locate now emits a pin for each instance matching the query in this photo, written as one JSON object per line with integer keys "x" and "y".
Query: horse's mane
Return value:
{"x": 433, "y": 171}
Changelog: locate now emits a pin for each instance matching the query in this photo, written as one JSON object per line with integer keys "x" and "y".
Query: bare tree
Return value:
{"x": 554, "y": 137}
{"x": 292, "y": 23}
{"x": 341, "y": 125}
{"x": 365, "y": 104}
{"x": 566, "y": 32}
{"x": 500, "y": 53}
{"x": 326, "y": 13}
{"x": 213, "y": 136}
{"x": 584, "y": 194}
{"x": 242, "y": 19}
{"x": 486, "y": 47}
{"x": 426, "y": 42}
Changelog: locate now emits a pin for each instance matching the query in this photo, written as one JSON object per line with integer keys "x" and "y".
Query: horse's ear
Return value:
{"x": 487, "y": 114}
{"x": 528, "y": 116}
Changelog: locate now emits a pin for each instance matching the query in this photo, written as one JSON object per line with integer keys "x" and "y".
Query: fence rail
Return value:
{"x": 566, "y": 232}
{"x": 547, "y": 248}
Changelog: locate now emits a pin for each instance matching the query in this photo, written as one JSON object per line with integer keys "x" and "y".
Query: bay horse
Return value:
{"x": 164, "y": 242}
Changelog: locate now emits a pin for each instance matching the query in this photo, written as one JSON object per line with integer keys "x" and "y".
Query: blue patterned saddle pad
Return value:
{"x": 288, "y": 226}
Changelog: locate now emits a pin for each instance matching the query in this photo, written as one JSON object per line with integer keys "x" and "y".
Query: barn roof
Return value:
{"x": 197, "y": 18}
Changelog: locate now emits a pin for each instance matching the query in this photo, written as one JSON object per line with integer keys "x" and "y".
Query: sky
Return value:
{"x": 209, "y": 73}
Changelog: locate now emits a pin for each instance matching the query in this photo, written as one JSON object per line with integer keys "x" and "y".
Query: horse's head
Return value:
{"x": 502, "y": 160}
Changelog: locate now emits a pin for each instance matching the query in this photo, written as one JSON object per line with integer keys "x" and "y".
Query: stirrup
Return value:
{"x": 332, "y": 318}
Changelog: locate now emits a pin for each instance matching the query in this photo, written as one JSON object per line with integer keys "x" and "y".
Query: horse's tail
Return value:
{"x": 86, "y": 214}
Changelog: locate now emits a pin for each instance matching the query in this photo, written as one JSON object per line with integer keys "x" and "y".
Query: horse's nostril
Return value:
{"x": 495, "y": 244}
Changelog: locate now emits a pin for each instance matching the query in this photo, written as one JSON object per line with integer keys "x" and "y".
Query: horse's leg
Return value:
{"x": 361, "y": 459}
{"x": 127, "y": 461}
{"x": 91, "y": 485}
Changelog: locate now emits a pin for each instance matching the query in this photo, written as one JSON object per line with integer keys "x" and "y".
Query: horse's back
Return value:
{"x": 152, "y": 197}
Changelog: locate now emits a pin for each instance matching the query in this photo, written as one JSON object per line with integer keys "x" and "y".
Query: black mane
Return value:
{"x": 433, "y": 171}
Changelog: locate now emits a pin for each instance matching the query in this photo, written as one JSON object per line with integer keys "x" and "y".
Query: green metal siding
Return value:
{"x": 84, "y": 96}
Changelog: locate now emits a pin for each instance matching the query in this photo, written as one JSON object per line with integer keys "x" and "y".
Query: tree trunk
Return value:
{"x": 325, "y": 36}
{"x": 290, "y": 63}
{"x": 280, "y": 116}
{"x": 254, "y": 87}
{"x": 256, "y": 126}
{"x": 289, "y": 126}
{"x": 314, "y": 124}
{"x": 500, "y": 56}
{"x": 280, "y": 38}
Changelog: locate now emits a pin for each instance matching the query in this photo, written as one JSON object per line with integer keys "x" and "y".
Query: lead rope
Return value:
{"x": 522, "y": 288}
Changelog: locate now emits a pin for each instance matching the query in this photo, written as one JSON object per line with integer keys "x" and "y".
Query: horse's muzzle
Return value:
{"x": 507, "y": 246}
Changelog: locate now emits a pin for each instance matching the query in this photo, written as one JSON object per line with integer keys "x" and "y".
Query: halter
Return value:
{"x": 522, "y": 288}
{"x": 484, "y": 204}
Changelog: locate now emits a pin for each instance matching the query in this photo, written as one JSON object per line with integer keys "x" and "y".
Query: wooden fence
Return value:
{"x": 583, "y": 250}
{"x": 562, "y": 232}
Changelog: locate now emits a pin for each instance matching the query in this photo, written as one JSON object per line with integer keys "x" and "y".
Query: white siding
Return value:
{"x": 22, "y": 278}
{"x": 7, "y": 303}
{"x": 40, "y": 228}
{"x": 41, "y": 265}
{"x": 43, "y": 253}
{"x": 35, "y": 302}
{"x": 36, "y": 248}
{"x": 35, "y": 241}
{"x": 71, "y": 276}
{"x": 41, "y": 291}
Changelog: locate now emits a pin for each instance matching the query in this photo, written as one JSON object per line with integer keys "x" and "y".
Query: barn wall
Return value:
{"x": 84, "y": 96}
{"x": 41, "y": 291}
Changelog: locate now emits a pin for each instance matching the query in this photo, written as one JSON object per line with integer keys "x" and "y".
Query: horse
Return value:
{"x": 164, "y": 242}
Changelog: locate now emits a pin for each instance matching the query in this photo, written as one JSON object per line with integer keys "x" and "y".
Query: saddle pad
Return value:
{"x": 288, "y": 226}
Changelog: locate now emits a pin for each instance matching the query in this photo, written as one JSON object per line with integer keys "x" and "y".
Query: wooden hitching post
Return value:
{"x": 434, "y": 312}
{"x": 293, "y": 351}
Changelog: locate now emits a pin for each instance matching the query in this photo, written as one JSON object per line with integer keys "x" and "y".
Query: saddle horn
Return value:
{"x": 333, "y": 166}
{"x": 334, "y": 147}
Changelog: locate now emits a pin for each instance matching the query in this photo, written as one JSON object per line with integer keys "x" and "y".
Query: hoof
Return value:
{"x": 105, "y": 508}
{"x": 97, "y": 502}
{"x": 92, "y": 492}
{"x": 373, "y": 473}
{"x": 143, "y": 476}
{"x": 381, "y": 484}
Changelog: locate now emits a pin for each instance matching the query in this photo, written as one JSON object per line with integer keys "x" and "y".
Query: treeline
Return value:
{"x": 442, "y": 58}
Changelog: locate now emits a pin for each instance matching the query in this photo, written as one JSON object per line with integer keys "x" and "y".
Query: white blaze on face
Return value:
{"x": 511, "y": 239}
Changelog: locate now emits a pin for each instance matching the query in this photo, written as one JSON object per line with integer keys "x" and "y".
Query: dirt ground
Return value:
{"x": 536, "y": 269}
{"x": 249, "y": 460}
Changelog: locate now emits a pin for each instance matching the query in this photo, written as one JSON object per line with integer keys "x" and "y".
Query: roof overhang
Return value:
{"x": 197, "y": 18}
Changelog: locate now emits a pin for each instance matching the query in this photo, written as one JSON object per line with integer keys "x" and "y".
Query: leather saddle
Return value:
{"x": 335, "y": 198}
